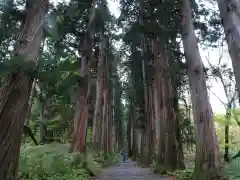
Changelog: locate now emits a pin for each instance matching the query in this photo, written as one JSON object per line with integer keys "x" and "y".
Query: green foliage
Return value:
{"x": 220, "y": 122}
{"x": 49, "y": 162}
{"x": 89, "y": 137}
{"x": 183, "y": 175}
{"x": 112, "y": 159}
{"x": 231, "y": 170}
{"x": 53, "y": 162}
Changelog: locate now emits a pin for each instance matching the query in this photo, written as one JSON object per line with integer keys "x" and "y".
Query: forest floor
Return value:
{"x": 129, "y": 171}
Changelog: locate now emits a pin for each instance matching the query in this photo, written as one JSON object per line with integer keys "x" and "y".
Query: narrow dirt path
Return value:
{"x": 129, "y": 171}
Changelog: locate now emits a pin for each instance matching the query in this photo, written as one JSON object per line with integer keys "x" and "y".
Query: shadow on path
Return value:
{"x": 129, "y": 171}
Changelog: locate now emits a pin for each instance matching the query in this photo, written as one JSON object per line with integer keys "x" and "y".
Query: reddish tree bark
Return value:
{"x": 83, "y": 91}
{"x": 97, "y": 119}
{"x": 15, "y": 92}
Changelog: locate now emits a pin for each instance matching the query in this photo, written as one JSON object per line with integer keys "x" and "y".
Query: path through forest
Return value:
{"x": 129, "y": 171}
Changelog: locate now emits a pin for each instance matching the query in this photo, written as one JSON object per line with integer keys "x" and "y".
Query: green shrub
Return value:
{"x": 183, "y": 175}
{"x": 50, "y": 162}
{"x": 230, "y": 170}
{"x": 53, "y": 162}
{"x": 111, "y": 159}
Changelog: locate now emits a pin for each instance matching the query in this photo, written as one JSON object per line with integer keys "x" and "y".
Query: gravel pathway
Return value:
{"x": 129, "y": 171}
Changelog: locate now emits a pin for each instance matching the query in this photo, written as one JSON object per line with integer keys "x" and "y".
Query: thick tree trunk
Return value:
{"x": 230, "y": 15}
{"x": 115, "y": 137}
{"x": 15, "y": 92}
{"x": 134, "y": 152}
{"x": 153, "y": 130}
{"x": 180, "y": 153}
{"x": 97, "y": 116}
{"x": 129, "y": 127}
{"x": 105, "y": 122}
{"x": 13, "y": 103}
{"x": 207, "y": 163}
{"x": 146, "y": 136}
{"x": 99, "y": 101}
{"x": 80, "y": 120}
{"x": 166, "y": 135}
{"x": 84, "y": 88}
{"x": 156, "y": 94}
{"x": 168, "y": 145}
{"x": 81, "y": 112}
{"x": 109, "y": 124}
{"x": 105, "y": 94}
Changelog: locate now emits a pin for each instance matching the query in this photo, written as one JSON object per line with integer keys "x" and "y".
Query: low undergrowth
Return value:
{"x": 230, "y": 170}
{"x": 53, "y": 162}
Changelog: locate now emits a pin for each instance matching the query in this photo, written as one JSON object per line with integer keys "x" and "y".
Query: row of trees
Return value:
{"x": 66, "y": 55}
{"x": 155, "y": 56}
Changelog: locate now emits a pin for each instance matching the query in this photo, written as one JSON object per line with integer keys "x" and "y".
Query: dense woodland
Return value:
{"x": 79, "y": 84}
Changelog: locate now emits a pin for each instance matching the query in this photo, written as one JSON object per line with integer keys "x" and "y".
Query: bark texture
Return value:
{"x": 230, "y": 15}
{"x": 166, "y": 124}
{"x": 168, "y": 139}
{"x": 83, "y": 91}
{"x": 207, "y": 162}
{"x": 97, "y": 119}
{"x": 156, "y": 94}
{"x": 15, "y": 92}
{"x": 105, "y": 108}
{"x": 84, "y": 88}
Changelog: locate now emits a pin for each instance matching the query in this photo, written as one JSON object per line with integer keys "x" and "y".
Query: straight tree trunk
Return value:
{"x": 97, "y": 119}
{"x": 168, "y": 142}
{"x": 166, "y": 122}
{"x": 145, "y": 155}
{"x": 110, "y": 127}
{"x": 110, "y": 109}
{"x": 230, "y": 15}
{"x": 105, "y": 122}
{"x": 156, "y": 94}
{"x": 153, "y": 132}
{"x": 114, "y": 126}
{"x": 83, "y": 91}
{"x": 133, "y": 146}
{"x": 15, "y": 92}
{"x": 207, "y": 162}
{"x": 129, "y": 127}
{"x": 134, "y": 152}
{"x": 105, "y": 110}
{"x": 180, "y": 153}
